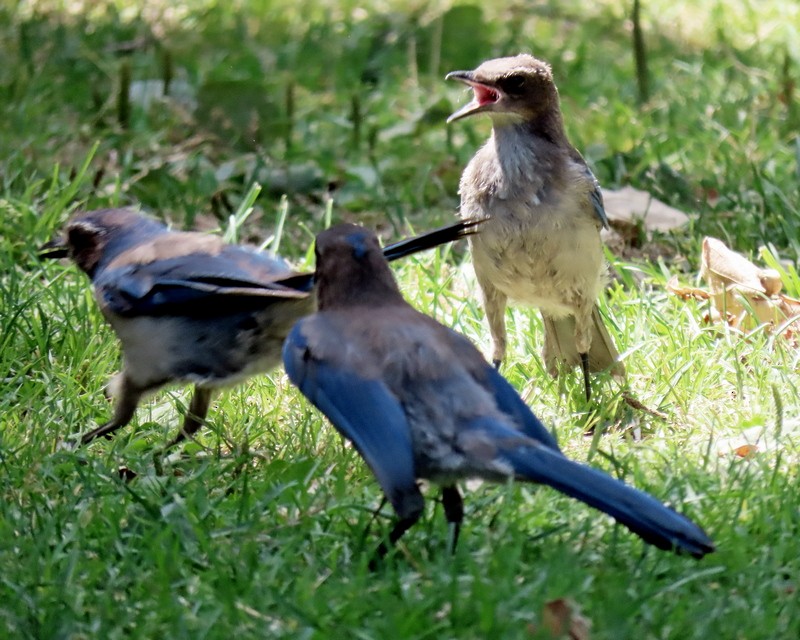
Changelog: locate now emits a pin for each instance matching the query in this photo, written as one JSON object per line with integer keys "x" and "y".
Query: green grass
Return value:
{"x": 260, "y": 532}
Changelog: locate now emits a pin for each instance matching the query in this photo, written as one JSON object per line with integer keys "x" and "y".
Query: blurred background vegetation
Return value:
{"x": 340, "y": 107}
{"x": 181, "y": 106}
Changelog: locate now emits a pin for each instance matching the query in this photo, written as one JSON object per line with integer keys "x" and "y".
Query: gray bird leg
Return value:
{"x": 494, "y": 304}
{"x": 583, "y": 341}
{"x": 453, "y": 512}
{"x": 375, "y": 515}
{"x": 400, "y": 527}
{"x": 127, "y": 399}
{"x": 195, "y": 416}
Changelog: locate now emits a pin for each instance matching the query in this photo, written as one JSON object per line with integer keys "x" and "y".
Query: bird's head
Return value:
{"x": 94, "y": 237}
{"x": 351, "y": 269}
{"x": 518, "y": 88}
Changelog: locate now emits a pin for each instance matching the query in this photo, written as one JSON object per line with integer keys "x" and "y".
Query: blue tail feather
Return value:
{"x": 638, "y": 511}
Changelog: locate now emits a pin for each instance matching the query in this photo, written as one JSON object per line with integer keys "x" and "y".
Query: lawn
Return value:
{"x": 281, "y": 117}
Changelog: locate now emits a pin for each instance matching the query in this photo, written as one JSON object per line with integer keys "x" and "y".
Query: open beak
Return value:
{"x": 484, "y": 96}
{"x": 56, "y": 248}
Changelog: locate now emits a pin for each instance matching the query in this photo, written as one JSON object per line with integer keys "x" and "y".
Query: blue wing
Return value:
{"x": 509, "y": 402}
{"x": 231, "y": 279}
{"x": 363, "y": 410}
{"x": 596, "y": 196}
{"x": 506, "y": 397}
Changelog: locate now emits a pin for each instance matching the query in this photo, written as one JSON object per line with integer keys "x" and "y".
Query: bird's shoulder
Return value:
{"x": 185, "y": 273}
{"x": 170, "y": 245}
{"x": 585, "y": 181}
{"x": 393, "y": 337}
{"x": 198, "y": 256}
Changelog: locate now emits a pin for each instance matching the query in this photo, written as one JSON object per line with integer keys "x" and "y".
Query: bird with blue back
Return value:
{"x": 188, "y": 307}
{"x": 418, "y": 401}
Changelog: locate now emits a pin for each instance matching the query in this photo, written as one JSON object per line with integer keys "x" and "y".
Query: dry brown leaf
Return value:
{"x": 744, "y": 444}
{"x": 741, "y": 289}
{"x": 743, "y": 294}
{"x": 746, "y": 450}
{"x": 685, "y": 292}
{"x": 723, "y": 268}
{"x": 562, "y": 619}
{"x": 788, "y": 306}
{"x": 629, "y": 206}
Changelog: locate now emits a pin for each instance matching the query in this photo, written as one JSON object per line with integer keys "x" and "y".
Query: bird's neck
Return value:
{"x": 545, "y": 128}
{"x": 525, "y": 145}
{"x": 365, "y": 288}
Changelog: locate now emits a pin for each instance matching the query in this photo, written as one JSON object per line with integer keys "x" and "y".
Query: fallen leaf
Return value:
{"x": 629, "y": 206}
{"x": 788, "y": 306}
{"x": 741, "y": 289}
{"x": 744, "y": 444}
{"x": 686, "y": 292}
{"x": 743, "y": 295}
{"x": 746, "y": 450}
{"x": 723, "y": 268}
{"x": 562, "y": 619}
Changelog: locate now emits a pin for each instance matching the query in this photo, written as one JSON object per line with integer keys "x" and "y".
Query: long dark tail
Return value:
{"x": 407, "y": 247}
{"x": 431, "y": 239}
{"x": 640, "y": 512}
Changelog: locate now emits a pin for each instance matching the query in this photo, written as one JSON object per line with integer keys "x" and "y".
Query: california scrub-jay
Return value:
{"x": 542, "y": 245}
{"x": 187, "y": 307}
{"x": 419, "y": 401}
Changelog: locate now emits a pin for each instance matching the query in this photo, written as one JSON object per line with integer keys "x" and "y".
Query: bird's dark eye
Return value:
{"x": 513, "y": 84}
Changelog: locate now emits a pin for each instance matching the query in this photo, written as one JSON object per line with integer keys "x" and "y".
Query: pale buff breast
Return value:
{"x": 542, "y": 252}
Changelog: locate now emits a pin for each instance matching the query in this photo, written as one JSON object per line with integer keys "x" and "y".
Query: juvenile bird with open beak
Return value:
{"x": 541, "y": 245}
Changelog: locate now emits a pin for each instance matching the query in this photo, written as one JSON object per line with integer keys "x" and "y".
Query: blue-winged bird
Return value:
{"x": 419, "y": 401}
{"x": 187, "y": 307}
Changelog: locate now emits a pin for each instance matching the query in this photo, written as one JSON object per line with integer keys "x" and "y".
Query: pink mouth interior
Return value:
{"x": 484, "y": 95}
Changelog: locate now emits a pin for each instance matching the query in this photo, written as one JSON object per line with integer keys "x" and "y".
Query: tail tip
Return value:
{"x": 696, "y": 546}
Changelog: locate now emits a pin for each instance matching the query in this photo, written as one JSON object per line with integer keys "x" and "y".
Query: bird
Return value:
{"x": 542, "y": 245}
{"x": 187, "y": 307}
{"x": 419, "y": 402}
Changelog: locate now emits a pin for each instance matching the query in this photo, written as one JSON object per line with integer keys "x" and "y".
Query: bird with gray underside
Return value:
{"x": 418, "y": 401}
